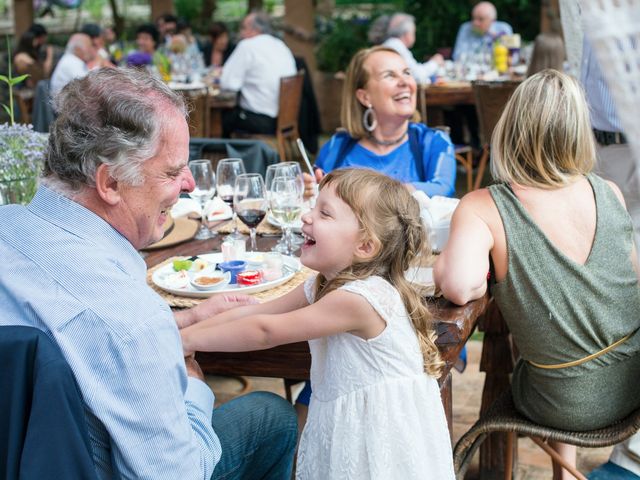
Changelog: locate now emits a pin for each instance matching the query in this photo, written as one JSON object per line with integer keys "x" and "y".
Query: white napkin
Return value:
{"x": 435, "y": 211}
{"x": 214, "y": 208}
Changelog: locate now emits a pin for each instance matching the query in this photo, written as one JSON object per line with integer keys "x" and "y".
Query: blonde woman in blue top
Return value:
{"x": 378, "y": 106}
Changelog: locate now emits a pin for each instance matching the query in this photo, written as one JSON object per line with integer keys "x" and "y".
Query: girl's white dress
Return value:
{"x": 374, "y": 413}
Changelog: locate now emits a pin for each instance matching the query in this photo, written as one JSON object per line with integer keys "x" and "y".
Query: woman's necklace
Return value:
{"x": 387, "y": 143}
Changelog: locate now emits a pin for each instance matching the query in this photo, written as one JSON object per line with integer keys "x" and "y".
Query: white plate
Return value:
{"x": 291, "y": 266}
{"x": 297, "y": 226}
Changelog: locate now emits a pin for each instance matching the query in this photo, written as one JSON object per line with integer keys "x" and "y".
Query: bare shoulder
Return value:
{"x": 617, "y": 191}
{"x": 479, "y": 202}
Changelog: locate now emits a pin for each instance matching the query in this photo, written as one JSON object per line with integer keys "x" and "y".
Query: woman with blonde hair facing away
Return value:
{"x": 375, "y": 411}
{"x": 559, "y": 243}
{"x": 548, "y": 52}
{"x": 378, "y": 106}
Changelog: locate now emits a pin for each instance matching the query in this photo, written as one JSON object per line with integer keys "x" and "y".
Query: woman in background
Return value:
{"x": 217, "y": 51}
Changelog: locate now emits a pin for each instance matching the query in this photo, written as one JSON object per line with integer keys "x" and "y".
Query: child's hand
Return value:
{"x": 212, "y": 306}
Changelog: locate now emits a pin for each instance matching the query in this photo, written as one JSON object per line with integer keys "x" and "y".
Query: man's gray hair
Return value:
{"x": 400, "y": 24}
{"x": 261, "y": 22}
{"x": 390, "y": 26}
{"x": 112, "y": 116}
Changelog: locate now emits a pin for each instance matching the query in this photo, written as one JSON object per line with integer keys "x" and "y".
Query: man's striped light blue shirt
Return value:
{"x": 69, "y": 273}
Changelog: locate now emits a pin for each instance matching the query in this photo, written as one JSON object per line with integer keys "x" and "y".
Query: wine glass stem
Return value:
{"x": 235, "y": 223}
{"x": 287, "y": 234}
{"x": 252, "y": 232}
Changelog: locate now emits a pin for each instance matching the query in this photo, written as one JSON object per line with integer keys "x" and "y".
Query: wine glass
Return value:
{"x": 228, "y": 170}
{"x": 291, "y": 170}
{"x": 205, "y": 188}
{"x": 250, "y": 202}
{"x": 286, "y": 205}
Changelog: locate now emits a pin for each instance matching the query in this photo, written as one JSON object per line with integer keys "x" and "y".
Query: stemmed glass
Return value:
{"x": 286, "y": 205}
{"x": 289, "y": 170}
{"x": 250, "y": 202}
{"x": 228, "y": 171}
{"x": 205, "y": 182}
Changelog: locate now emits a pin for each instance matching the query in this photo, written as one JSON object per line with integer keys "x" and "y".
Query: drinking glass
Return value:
{"x": 289, "y": 170}
{"x": 228, "y": 171}
{"x": 205, "y": 182}
{"x": 250, "y": 202}
{"x": 286, "y": 205}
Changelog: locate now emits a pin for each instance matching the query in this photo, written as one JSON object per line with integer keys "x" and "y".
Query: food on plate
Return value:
{"x": 206, "y": 281}
{"x": 249, "y": 277}
{"x": 182, "y": 264}
{"x": 177, "y": 280}
{"x": 199, "y": 264}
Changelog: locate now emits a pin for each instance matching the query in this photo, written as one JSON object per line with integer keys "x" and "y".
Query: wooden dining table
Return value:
{"x": 433, "y": 98}
{"x": 454, "y": 325}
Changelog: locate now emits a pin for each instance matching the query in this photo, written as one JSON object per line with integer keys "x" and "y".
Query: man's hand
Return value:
{"x": 211, "y": 307}
{"x": 309, "y": 183}
{"x": 193, "y": 369}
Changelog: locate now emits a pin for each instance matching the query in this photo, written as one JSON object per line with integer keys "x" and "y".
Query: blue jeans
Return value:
{"x": 258, "y": 434}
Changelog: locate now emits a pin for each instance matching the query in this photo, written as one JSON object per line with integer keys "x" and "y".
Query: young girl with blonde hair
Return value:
{"x": 375, "y": 411}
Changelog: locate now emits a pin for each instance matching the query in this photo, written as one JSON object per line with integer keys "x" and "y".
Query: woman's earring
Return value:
{"x": 369, "y": 119}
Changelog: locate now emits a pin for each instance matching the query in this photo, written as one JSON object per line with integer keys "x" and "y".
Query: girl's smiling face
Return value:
{"x": 332, "y": 234}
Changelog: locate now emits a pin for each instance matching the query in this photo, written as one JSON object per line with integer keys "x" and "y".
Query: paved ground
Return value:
{"x": 533, "y": 463}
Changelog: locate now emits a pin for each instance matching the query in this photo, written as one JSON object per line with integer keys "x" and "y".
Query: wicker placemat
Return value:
{"x": 265, "y": 228}
{"x": 266, "y": 295}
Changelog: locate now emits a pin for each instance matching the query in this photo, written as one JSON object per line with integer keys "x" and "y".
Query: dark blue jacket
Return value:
{"x": 43, "y": 431}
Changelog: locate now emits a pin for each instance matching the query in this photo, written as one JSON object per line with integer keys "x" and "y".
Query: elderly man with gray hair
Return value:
{"x": 254, "y": 69}
{"x": 79, "y": 52}
{"x": 480, "y": 32}
{"x": 398, "y": 32}
{"x": 116, "y": 163}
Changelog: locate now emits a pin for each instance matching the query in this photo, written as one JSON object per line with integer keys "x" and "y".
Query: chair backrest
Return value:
{"x": 491, "y": 98}
{"x": 43, "y": 430}
{"x": 43, "y": 114}
{"x": 288, "y": 110}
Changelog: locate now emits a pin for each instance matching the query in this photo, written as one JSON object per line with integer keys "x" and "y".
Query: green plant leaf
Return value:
{"x": 19, "y": 79}
{"x": 4, "y": 78}
{"x": 6, "y": 109}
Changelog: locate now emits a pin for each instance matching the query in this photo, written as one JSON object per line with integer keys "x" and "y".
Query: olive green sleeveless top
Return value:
{"x": 559, "y": 311}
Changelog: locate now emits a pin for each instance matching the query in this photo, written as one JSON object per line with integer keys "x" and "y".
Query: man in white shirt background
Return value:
{"x": 400, "y": 35}
{"x": 78, "y": 54}
{"x": 254, "y": 69}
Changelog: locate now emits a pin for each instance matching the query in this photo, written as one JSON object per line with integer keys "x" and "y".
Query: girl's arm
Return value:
{"x": 337, "y": 312}
{"x": 461, "y": 269}
{"x": 291, "y": 301}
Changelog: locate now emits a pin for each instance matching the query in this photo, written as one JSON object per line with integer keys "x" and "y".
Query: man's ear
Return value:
{"x": 107, "y": 186}
{"x": 367, "y": 249}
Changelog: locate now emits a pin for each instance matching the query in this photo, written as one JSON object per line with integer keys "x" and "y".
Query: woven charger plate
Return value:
{"x": 177, "y": 301}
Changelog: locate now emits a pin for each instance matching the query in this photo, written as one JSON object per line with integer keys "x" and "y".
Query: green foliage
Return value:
{"x": 188, "y": 9}
{"x": 342, "y": 40}
{"x": 437, "y": 24}
{"x": 11, "y": 81}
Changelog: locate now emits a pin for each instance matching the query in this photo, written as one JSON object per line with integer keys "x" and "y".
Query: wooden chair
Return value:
{"x": 491, "y": 98}
{"x": 502, "y": 416}
{"x": 464, "y": 156}
{"x": 284, "y": 141}
{"x": 24, "y": 99}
